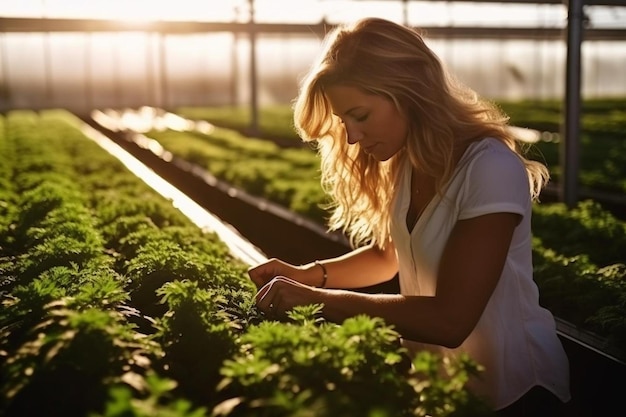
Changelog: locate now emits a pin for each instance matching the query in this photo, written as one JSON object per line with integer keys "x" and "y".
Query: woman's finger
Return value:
{"x": 262, "y": 292}
{"x": 266, "y": 298}
{"x": 259, "y": 275}
{"x": 281, "y": 295}
{"x": 263, "y": 273}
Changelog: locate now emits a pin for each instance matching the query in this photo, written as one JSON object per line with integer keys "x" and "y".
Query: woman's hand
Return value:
{"x": 265, "y": 272}
{"x": 281, "y": 294}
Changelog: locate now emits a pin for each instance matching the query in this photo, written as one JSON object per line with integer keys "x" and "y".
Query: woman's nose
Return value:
{"x": 354, "y": 135}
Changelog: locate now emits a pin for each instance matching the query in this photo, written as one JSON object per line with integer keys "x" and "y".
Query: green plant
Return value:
{"x": 307, "y": 366}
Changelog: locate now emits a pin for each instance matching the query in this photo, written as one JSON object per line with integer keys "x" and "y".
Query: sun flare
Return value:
{"x": 138, "y": 11}
{"x": 151, "y": 10}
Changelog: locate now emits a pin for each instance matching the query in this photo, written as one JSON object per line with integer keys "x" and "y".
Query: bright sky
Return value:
{"x": 310, "y": 11}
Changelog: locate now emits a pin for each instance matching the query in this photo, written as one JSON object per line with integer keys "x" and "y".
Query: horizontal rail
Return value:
{"x": 538, "y": 2}
{"x": 51, "y": 25}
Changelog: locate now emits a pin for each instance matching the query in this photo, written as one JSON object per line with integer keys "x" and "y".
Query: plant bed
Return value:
{"x": 602, "y": 144}
{"x": 114, "y": 304}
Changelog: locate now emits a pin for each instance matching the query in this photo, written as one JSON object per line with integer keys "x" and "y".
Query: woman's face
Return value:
{"x": 372, "y": 121}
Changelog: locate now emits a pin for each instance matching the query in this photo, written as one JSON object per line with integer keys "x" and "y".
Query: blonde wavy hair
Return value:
{"x": 384, "y": 58}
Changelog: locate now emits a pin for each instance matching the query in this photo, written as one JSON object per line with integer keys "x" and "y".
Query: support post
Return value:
{"x": 5, "y": 82}
{"x": 254, "y": 101}
{"x": 164, "y": 97}
{"x": 570, "y": 135}
{"x": 405, "y": 12}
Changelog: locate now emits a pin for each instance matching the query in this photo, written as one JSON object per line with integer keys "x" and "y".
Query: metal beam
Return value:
{"x": 30, "y": 25}
{"x": 587, "y": 2}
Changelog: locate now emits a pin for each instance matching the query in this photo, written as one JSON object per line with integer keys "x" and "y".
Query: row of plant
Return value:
{"x": 602, "y": 142}
{"x": 274, "y": 122}
{"x": 579, "y": 256}
{"x": 580, "y": 267}
{"x": 115, "y": 304}
{"x": 286, "y": 176}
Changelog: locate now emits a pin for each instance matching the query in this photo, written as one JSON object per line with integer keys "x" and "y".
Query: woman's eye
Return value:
{"x": 361, "y": 118}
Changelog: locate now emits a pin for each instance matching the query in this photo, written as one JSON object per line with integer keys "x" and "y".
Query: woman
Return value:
{"x": 427, "y": 182}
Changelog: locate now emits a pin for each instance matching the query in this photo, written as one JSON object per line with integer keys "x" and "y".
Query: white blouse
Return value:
{"x": 515, "y": 338}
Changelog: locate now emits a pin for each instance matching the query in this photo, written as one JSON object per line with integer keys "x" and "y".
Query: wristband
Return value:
{"x": 325, "y": 276}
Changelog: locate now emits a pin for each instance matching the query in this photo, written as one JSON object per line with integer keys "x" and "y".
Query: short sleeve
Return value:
{"x": 496, "y": 182}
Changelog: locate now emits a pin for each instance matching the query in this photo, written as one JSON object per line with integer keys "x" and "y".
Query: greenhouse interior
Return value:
{"x": 151, "y": 157}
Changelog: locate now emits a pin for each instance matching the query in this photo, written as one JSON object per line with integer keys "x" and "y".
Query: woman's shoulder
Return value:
{"x": 490, "y": 143}
{"x": 492, "y": 177}
{"x": 488, "y": 150}
{"x": 490, "y": 160}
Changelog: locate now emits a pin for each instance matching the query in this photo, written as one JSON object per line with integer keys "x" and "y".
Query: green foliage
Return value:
{"x": 127, "y": 233}
{"x": 155, "y": 264}
{"x": 578, "y": 291}
{"x": 38, "y": 202}
{"x": 166, "y": 258}
{"x": 147, "y": 203}
{"x": 86, "y": 350}
{"x": 310, "y": 200}
{"x": 446, "y": 395}
{"x": 54, "y": 229}
{"x": 603, "y": 123}
{"x": 8, "y": 196}
{"x": 610, "y": 317}
{"x": 95, "y": 286}
{"x": 572, "y": 231}
{"x": 195, "y": 239}
{"x": 542, "y": 116}
{"x": 108, "y": 288}
{"x": 64, "y": 285}
{"x": 310, "y": 367}
{"x": 275, "y": 122}
{"x": 602, "y": 148}
{"x": 287, "y": 176}
{"x": 197, "y": 335}
{"x": 153, "y": 399}
{"x": 600, "y": 117}
{"x": 55, "y": 251}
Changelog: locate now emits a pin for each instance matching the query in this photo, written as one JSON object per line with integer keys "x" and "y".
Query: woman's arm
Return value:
{"x": 470, "y": 268}
{"x": 361, "y": 267}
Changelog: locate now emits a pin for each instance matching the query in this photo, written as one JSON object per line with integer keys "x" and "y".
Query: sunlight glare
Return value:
{"x": 207, "y": 221}
{"x": 144, "y": 11}
{"x": 140, "y": 11}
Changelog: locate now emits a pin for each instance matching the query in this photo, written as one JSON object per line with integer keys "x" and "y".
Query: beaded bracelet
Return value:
{"x": 325, "y": 276}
